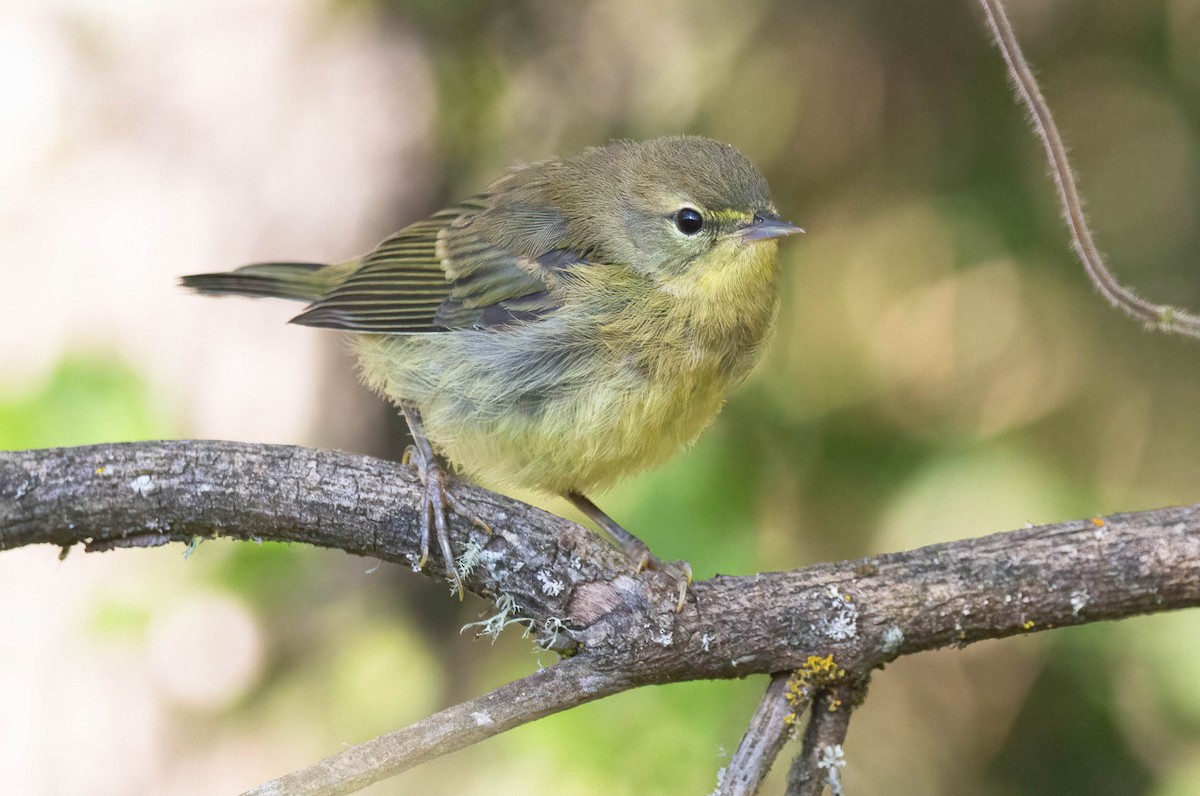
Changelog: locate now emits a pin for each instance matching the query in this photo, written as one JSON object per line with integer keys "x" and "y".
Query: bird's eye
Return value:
{"x": 689, "y": 221}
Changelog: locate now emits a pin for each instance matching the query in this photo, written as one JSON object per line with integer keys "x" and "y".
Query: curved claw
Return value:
{"x": 643, "y": 562}
{"x": 635, "y": 549}
{"x": 684, "y": 583}
{"x": 434, "y": 523}
{"x": 681, "y": 571}
{"x": 461, "y": 510}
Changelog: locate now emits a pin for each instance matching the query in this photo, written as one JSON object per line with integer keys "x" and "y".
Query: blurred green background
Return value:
{"x": 942, "y": 368}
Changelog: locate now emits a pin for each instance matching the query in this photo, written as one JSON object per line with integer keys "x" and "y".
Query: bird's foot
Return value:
{"x": 436, "y": 501}
{"x": 635, "y": 549}
{"x": 641, "y": 557}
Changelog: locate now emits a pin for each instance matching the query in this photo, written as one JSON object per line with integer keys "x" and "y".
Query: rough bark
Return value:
{"x": 579, "y": 593}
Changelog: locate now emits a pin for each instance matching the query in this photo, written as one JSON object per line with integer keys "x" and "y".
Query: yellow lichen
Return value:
{"x": 815, "y": 673}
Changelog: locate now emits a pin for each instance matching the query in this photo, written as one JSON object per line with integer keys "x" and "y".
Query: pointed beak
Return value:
{"x": 766, "y": 226}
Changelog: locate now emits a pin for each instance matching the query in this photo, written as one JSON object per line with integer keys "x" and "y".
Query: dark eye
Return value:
{"x": 689, "y": 221}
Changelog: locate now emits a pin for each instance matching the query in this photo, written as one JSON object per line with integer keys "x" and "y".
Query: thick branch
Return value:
{"x": 579, "y": 591}
{"x": 151, "y": 493}
{"x": 862, "y": 612}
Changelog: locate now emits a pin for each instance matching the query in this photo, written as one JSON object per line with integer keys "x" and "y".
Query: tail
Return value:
{"x": 299, "y": 281}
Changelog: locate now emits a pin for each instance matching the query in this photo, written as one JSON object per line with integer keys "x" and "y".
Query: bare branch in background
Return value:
{"x": 1156, "y": 316}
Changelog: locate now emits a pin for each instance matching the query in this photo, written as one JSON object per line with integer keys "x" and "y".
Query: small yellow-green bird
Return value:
{"x": 580, "y": 320}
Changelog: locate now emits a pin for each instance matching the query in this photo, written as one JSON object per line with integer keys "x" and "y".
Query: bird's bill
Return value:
{"x": 766, "y": 227}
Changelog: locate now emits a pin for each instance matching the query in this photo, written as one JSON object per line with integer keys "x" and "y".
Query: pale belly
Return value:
{"x": 511, "y": 412}
{"x": 584, "y": 441}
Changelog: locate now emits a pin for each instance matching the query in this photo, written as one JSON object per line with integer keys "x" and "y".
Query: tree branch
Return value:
{"x": 820, "y": 761}
{"x": 567, "y": 684}
{"x": 152, "y": 493}
{"x": 579, "y": 592}
{"x": 1155, "y": 316}
{"x": 769, "y": 731}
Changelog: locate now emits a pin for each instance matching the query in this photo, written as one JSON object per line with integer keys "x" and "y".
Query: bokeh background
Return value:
{"x": 942, "y": 368}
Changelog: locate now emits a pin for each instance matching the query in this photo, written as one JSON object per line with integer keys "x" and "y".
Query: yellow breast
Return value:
{"x": 659, "y": 372}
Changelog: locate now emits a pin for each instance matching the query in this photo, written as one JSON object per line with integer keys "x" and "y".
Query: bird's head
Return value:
{"x": 675, "y": 207}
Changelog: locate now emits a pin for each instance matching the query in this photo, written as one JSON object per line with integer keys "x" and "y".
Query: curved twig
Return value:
{"x": 1156, "y": 316}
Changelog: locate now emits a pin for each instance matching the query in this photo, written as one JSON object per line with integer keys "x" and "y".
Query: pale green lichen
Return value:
{"x": 192, "y": 545}
{"x": 832, "y": 759}
{"x": 506, "y": 607}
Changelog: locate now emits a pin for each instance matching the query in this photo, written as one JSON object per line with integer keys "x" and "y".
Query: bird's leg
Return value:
{"x": 635, "y": 549}
{"x": 437, "y": 498}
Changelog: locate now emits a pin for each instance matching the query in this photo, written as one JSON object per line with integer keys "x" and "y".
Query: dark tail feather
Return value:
{"x": 300, "y": 281}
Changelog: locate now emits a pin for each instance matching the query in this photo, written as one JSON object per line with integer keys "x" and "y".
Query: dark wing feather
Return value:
{"x": 437, "y": 275}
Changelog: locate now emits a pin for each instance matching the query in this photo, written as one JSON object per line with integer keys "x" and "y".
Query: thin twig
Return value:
{"x": 1156, "y": 316}
{"x": 769, "y": 730}
{"x": 566, "y": 684}
{"x": 819, "y": 764}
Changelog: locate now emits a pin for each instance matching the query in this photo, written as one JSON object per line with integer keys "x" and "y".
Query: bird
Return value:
{"x": 581, "y": 319}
